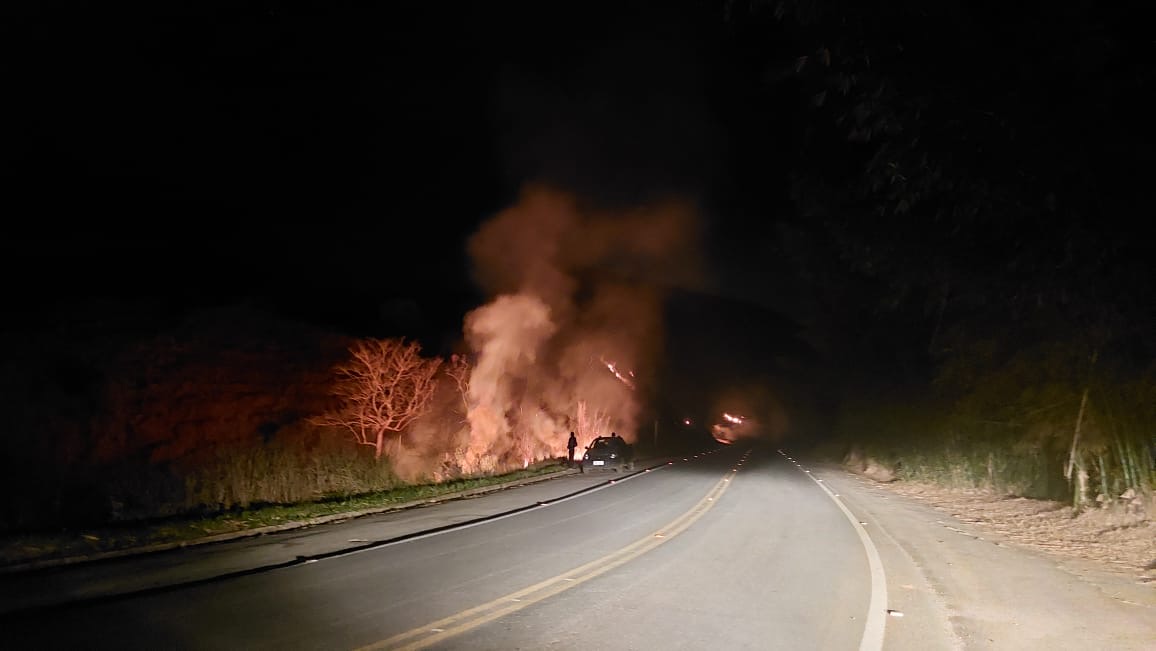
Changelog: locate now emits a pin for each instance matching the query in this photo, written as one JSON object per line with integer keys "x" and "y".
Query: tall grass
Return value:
{"x": 227, "y": 478}
{"x": 283, "y": 474}
{"x": 1018, "y": 442}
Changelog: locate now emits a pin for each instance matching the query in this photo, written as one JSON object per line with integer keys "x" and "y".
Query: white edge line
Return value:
{"x": 876, "y": 624}
{"x": 469, "y": 525}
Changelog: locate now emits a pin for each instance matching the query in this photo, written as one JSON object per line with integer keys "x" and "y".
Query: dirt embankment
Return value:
{"x": 1120, "y": 535}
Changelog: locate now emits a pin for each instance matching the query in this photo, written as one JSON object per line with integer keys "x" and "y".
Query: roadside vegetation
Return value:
{"x": 993, "y": 299}
{"x": 215, "y": 413}
{"x": 1037, "y": 424}
{"x": 137, "y": 433}
{"x": 264, "y": 488}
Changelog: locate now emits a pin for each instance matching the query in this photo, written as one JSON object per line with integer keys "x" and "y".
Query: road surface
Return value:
{"x": 738, "y": 548}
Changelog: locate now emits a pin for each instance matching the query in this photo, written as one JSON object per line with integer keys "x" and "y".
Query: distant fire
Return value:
{"x": 733, "y": 427}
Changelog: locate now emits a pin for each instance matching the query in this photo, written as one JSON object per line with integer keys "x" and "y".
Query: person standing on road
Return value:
{"x": 572, "y": 445}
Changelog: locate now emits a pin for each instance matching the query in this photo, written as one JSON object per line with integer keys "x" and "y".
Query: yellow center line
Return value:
{"x": 433, "y": 632}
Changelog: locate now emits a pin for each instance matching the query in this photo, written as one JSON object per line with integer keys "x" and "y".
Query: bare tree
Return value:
{"x": 384, "y": 387}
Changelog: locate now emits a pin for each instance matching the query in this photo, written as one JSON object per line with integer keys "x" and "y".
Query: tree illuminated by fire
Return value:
{"x": 382, "y": 389}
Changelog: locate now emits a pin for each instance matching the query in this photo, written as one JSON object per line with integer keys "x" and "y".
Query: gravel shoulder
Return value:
{"x": 972, "y": 571}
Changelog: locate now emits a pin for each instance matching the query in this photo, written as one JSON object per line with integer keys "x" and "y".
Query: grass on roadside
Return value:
{"x": 22, "y": 548}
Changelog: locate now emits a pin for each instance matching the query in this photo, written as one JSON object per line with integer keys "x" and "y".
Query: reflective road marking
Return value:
{"x": 877, "y": 611}
{"x": 434, "y": 632}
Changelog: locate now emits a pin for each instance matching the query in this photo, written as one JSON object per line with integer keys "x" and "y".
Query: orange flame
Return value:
{"x": 614, "y": 369}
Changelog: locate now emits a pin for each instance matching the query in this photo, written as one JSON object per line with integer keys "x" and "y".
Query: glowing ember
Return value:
{"x": 734, "y": 419}
{"x": 614, "y": 369}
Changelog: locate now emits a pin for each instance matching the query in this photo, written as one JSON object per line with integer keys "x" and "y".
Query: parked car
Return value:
{"x": 608, "y": 453}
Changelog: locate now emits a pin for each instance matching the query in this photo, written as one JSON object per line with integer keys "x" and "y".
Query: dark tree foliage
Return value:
{"x": 971, "y": 160}
{"x": 969, "y": 177}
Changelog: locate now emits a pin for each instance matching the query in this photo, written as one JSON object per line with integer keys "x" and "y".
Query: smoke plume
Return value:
{"x": 569, "y": 339}
{"x": 611, "y": 145}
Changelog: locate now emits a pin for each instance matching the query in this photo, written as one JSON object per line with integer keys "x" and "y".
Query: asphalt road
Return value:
{"x": 732, "y": 549}
{"x": 739, "y": 548}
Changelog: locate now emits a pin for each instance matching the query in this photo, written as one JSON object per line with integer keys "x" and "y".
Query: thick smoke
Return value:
{"x": 608, "y": 145}
{"x": 574, "y": 324}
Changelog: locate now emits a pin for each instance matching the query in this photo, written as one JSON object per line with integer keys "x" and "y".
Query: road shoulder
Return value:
{"x": 969, "y": 589}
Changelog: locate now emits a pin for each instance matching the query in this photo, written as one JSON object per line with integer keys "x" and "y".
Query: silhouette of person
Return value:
{"x": 572, "y": 445}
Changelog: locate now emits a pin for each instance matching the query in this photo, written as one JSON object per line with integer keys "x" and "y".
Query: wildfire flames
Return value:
{"x": 532, "y": 378}
{"x": 622, "y": 378}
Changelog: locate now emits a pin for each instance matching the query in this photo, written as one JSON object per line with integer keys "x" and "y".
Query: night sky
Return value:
{"x": 331, "y": 158}
{"x": 303, "y": 150}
